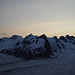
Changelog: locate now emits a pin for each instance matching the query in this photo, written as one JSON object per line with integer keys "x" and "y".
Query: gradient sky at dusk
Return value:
{"x": 50, "y": 17}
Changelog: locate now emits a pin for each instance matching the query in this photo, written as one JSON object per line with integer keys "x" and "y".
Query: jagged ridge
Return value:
{"x": 35, "y": 46}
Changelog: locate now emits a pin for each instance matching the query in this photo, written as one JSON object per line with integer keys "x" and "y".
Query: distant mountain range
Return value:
{"x": 36, "y": 46}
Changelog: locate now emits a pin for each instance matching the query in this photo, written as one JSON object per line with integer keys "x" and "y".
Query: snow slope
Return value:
{"x": 62, "y": 65}
{"x": 5, "y": 59}
{"x": 9, "y": 42}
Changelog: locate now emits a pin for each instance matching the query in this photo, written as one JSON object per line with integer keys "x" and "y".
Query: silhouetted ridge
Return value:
{"x": 63, "y": 38}
{"x": 70, "y": 37}
{"x": 35, "y": 46}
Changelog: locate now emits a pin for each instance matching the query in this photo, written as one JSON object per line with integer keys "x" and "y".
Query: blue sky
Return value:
{"x": 50, "y": 17}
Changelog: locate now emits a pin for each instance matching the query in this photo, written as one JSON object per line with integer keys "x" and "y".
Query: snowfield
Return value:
{"x": 64, "y": 64}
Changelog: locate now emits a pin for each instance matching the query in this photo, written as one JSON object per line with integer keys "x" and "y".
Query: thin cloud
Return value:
{"x": 4, "y": 34}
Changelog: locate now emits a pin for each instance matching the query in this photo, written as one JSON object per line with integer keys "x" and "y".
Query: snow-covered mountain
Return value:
{"x": 10, "y": 42}
{"x": 36, "y": 46}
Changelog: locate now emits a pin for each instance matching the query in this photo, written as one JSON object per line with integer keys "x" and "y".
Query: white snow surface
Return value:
{"x": 64, "y": 64}
{"x": 10, "y": 43}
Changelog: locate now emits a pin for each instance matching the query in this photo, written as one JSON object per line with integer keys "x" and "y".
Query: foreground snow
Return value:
{"x": 64, "y": 64}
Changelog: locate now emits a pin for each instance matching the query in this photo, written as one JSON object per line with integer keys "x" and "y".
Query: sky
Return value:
{"x": 50, "y": 17}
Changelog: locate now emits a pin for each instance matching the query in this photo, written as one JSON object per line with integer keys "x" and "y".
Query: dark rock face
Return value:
{"x": 62, "y": 38}
{"x": 70, "y": 37}
{"x": 56, "y": 38}
{"x": 2, "y": 39}
{"x": 48, "y": 48}
{"x": 14, "y": 37}
{"x": 17, "y": 44}
{"x": 47, "y": 45}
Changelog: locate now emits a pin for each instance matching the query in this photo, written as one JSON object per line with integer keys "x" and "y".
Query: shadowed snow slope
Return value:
{"x": 36, "y": 46}
{"x": 59, "y": 55}
{"x": 62, "y": 65}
